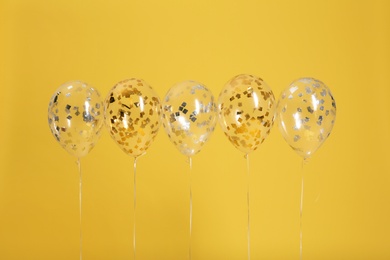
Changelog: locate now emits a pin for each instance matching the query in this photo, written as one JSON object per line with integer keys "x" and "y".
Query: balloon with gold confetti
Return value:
{"x": 132, "y": 115}
{"x": 189, "y": 116}
{"x": 306, "y": 115}
{"x": 246, "y": 108}
{"x": 75, "y": 117}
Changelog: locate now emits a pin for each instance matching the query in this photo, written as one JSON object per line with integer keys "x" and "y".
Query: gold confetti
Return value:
{"x": 246, "y": 108}
{"x": 133, "y": 122}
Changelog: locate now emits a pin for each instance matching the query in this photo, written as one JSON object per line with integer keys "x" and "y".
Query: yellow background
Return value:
{"x": 46, "y": 43}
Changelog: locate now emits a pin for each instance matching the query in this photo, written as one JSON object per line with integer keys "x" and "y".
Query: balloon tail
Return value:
{"x": 190, "y": 240}
{"x": 248, "y": 206}
{"x": 135, "y": 206}
{"x": 80, "y": 207}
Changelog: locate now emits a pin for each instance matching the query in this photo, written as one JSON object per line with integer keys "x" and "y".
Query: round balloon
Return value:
{"x": 132, "y": 115}
{"x": 75, "y": 117}
{"x": 189, "y": 116}
{"x": 306, "y": 115}
{"x": 246, "y": 108}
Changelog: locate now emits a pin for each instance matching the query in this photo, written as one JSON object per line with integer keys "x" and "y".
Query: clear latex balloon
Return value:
{"x": 306, "y": 115}
{"x": 132, "y": 115}
{"x": 189, "y": 116}
{"x": 75, "y": 117}
{"x": 246, "y": 111}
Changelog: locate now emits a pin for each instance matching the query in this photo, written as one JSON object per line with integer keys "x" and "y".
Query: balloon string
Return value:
{"x": 190, "y": 240}
{"x": 135, "y": 204}
{"x": 80, "y": 207}
{"x": 301, "y": 212}
{"x": 248, "y": 206}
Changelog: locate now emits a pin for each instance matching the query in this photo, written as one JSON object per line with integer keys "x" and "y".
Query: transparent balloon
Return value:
{"x": 189, "y": 116}
{"x": 246, "y": 108}
{"x": 75, "y": 117}
{"x": 132, "y": 115}
{"x": 306, "y": 115}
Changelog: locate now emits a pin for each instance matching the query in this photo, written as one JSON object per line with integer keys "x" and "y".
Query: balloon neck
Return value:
{"x": 138, "y": 156}
{"x": 306, "y": 160}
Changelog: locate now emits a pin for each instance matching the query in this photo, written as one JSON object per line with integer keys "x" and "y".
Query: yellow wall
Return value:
{"x": 46, "y": 43}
